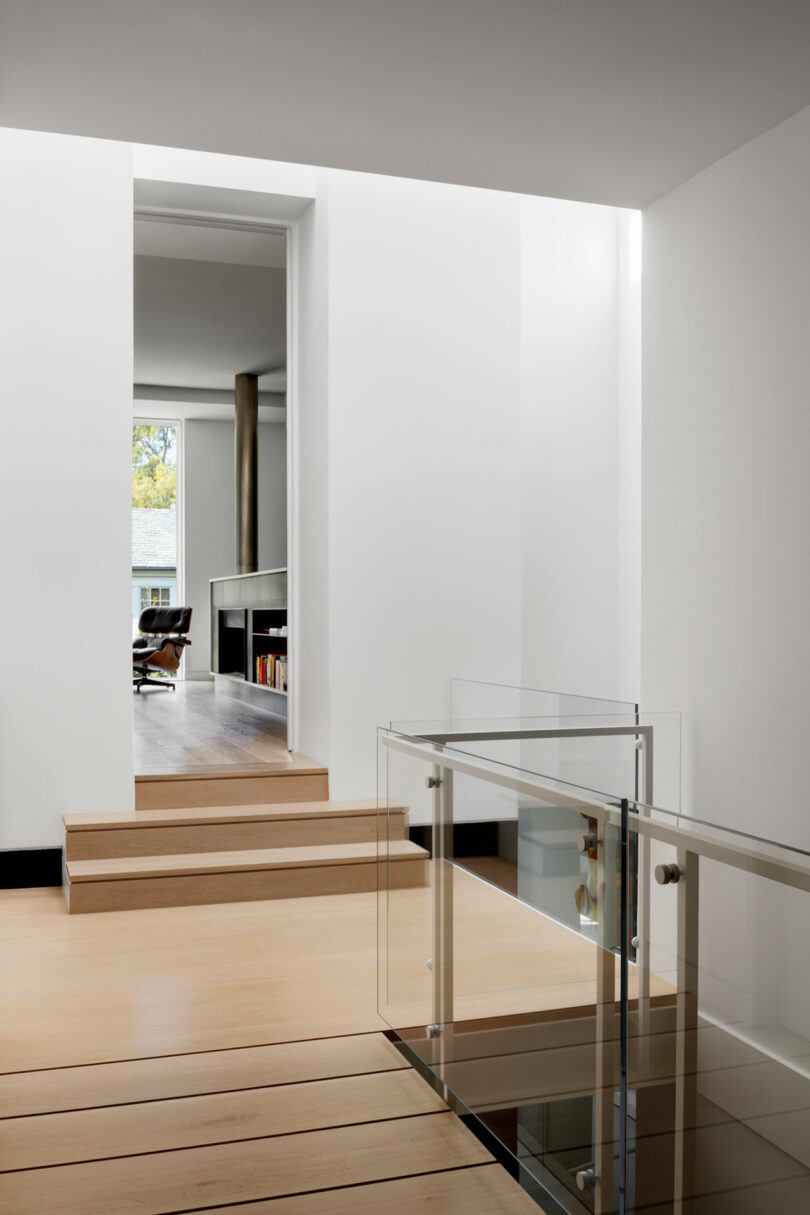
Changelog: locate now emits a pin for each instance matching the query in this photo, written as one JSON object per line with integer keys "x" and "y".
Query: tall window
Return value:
{"x": 154, "y": 467}
{"x": 154, "y": 517}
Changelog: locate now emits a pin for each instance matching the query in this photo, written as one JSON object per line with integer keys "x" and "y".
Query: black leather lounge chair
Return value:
{"x": 160, "y": 645}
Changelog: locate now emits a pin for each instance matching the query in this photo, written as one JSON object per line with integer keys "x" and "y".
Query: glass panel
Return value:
{"x": 620, "y": 755}
{"x": 521, "y": 915}
{"x": 405, "y": 913}
{"x": 619, "y": 998}
{"x": 720, "y": 1054}
{"x": 472, "y": 698}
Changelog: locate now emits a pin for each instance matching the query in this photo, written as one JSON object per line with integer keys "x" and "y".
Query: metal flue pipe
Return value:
{"x": 246, "y": 400}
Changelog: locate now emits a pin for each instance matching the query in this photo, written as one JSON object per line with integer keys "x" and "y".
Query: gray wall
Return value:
{"x": 209, "y": 522}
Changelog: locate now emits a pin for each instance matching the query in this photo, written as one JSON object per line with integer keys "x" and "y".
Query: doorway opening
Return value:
{"x": 210, "y": 472}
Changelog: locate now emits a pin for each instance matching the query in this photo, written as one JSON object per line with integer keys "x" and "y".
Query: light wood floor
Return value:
{"x": 174, "y": 1060}
{"x": 194, "y": 729}
{"x": 163, "y": 1061}
{"x": 133, "y": 984}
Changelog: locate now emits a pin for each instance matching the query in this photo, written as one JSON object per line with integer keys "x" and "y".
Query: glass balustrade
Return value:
{"x": 617, "y": 997}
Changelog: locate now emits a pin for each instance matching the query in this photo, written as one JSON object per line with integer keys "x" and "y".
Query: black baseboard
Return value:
{"x": 488, "y": 838}
{"x": 23, "y": 867}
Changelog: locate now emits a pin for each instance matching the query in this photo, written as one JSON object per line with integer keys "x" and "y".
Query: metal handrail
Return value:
{"x": 768, "y": 860}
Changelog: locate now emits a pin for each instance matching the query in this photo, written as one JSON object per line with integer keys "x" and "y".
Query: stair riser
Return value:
{"x": 181, "y": 891}
{"x": 272, "y": 789}
{"x": 220, "y": 837}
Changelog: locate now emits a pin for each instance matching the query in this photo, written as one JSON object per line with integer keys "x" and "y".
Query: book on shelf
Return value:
{"x": 271, "y": 671}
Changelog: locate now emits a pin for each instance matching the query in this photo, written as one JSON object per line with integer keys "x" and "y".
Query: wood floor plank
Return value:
{"x": 71, "y": 1088}
{"x": 152, "y": 1126}
{"x": 127, "y": 985}
{"x": 197, "y": 727}
{"x": 483, "y": 1190}
{"x": 133, "y": 984}
{"x": 196, "y": 1178}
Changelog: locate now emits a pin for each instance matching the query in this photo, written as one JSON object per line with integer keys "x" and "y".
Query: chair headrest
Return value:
{"x": 165, "y": 620}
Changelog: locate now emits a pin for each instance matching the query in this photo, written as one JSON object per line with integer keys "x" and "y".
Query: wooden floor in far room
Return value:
{"x": 195, "y": 728}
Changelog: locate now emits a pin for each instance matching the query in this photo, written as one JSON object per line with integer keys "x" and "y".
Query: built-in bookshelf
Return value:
{"x": 249, "y": 637}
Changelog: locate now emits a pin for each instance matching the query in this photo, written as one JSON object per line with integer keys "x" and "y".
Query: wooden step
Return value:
{"x": 297, "y": 781}
{"x": 237, "y": 876}
{"x": 219, "y": 828}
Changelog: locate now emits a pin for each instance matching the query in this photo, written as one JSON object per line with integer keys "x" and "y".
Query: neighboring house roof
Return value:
{"x": 154, "y": 538}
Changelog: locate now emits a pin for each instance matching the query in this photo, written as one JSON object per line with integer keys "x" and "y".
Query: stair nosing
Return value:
{"x": 226, "y": 774}
{"x": 197, "y": 864}
{"x": 192, "y": 816}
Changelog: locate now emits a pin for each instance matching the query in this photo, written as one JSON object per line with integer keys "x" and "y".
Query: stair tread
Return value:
{"x": 112, "y": 869}
{"x": 295, "y": 765}
{"x": 188, "y": 816}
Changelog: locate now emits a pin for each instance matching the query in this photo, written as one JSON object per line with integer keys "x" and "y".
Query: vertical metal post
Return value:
{"x": 383, "y": 879}
{"x": 246, "y": 401}
{"x": 644, "y": 878}
{"x": 605, "y": 1021}
{"x": 624, "y": 996}
{"x": 647, "y": 752}
{"x": 686, "y": 1023}
{"x": 442, "y": 841}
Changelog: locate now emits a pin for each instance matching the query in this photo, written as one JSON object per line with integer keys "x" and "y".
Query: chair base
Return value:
{"x": 140, "y": 681}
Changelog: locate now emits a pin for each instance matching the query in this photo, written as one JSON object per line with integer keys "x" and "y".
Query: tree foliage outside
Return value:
{"x": 154, "y": 466}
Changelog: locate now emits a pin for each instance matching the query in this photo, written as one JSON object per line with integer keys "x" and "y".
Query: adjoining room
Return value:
{"x": 210, "y": 383}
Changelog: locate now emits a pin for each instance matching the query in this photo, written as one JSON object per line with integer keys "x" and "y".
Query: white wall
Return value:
{"x": 726, "y": 558}
{"x": 420, "y": 415}
{"x": 628, "y": 461}
{"x": 474, "y": 472}
{"x": 209, "y": 497}
{"x": 580, "y": 548}
{"x": 66, "y": 391}
{"x": 726, "y": 494}
{"x": 308, "y": 447}
{"x": 424, "y": 345}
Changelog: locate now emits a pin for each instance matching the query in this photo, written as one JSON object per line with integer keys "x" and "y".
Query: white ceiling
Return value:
{"x": 209, "y": 303}
{"x": 207, "y": 404}
{"x": 611, "y": 101}
{"x": 209, "y": 244}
